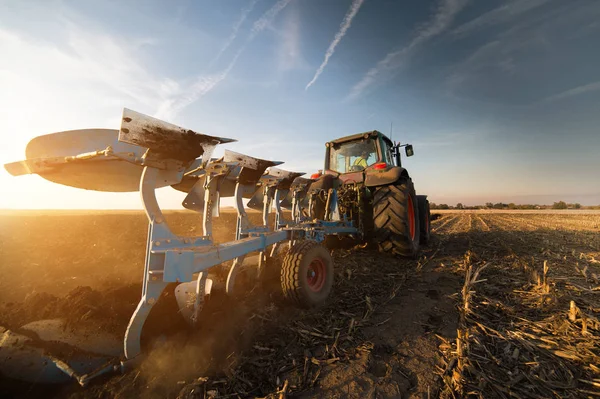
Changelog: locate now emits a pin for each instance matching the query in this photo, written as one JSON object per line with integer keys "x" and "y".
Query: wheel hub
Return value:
{"x": 315, "y": 275}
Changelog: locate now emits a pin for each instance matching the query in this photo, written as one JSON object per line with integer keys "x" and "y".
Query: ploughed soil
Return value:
{"x": 389, "y": 330}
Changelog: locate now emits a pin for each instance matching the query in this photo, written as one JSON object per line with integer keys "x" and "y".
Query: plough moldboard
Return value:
{"x": 146, "y": 154}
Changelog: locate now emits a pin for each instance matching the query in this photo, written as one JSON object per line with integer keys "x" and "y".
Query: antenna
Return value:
{"x": 391, "y": 130}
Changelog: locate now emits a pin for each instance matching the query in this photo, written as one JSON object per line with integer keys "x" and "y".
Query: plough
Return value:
{"x": 147, "y": 154}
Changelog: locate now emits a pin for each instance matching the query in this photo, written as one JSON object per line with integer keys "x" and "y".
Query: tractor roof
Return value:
{"x": 359, "y": 136}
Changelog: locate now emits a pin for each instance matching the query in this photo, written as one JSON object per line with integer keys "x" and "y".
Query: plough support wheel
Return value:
{"x": 307, "y": 274}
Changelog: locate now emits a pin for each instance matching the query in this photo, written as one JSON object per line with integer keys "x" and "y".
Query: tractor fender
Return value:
{"x": 374, "y": 177}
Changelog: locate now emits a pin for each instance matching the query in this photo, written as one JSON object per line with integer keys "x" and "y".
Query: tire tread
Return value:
{"x": 391, "y": 229}
{"x": 290, "y": 271}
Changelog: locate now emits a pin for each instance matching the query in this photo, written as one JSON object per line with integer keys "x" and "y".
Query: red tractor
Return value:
{"x": 374, "y": 191}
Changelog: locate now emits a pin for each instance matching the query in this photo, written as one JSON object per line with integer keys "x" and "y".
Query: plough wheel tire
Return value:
{"x": 424, "y": 219}
{"x": 307, "y": 274}
{"x": 396, "y": 219}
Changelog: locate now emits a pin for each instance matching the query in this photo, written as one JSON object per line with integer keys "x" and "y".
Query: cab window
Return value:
{"x": 352, "y": 156}
{"x": 386, "y": 152}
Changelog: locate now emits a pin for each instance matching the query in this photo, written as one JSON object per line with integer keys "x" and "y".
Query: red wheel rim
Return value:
{"x": 315, "y": 275}
{"x": 411, "y": 218}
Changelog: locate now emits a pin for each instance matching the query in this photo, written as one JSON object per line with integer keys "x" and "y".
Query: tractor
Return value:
{"x": 373, "y": 191}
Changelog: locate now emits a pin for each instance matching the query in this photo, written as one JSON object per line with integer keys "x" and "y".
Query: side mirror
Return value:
{"x": 409, "y": 150}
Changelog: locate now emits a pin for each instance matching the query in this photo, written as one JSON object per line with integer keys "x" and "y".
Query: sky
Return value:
{"x": 500, "y": 99}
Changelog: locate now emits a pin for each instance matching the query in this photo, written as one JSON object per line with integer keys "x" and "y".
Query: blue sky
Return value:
{"x": 499, "y": 98}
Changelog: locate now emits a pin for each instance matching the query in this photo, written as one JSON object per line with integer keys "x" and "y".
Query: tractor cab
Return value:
{"x": 364, "y": 173}
{"x": 363, "y": 151}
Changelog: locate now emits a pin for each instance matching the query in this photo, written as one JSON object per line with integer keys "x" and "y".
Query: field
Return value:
{"x": 499, "y": 304}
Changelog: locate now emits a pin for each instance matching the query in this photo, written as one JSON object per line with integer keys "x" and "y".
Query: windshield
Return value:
{"x": 352, "y": 156}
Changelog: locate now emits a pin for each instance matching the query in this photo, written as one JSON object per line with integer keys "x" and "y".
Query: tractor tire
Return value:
{"x": 424, "y": 219}
{"x": 307, "y": 274}
{"x": 395, "y": 217}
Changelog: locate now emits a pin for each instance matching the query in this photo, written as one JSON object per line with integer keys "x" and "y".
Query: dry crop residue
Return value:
{"x": 389, "y": 330}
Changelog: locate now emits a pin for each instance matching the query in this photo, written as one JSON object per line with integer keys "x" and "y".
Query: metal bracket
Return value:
{"x": 299, "y": 190}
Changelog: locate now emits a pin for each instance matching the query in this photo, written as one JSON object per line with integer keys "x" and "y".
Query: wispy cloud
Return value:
{"x": 474, "y": 62}
{"x": 96, "y": 53}
{"x": 202, "y": 85}
{"x": 516, "y": 52}
{"x": 344, "y": 26}
{"x": 439, "y": 22}
{"x": 587, "y": 88}
{"x": 88, "y": 58}
{"x": 205, "y": 83}
{"x": 80, "y": 83}
{"x": 263, "y": 22}
{"x": 505, "y": 13}
{"x": 235, "y": 30}
{"x": 289, "y": 53}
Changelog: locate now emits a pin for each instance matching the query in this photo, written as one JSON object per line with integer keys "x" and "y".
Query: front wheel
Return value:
{"x": 396, "y": 219}
{"x": 307, "y": 274}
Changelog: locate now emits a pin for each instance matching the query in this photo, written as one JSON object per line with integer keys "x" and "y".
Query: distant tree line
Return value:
{"x": 501, "y": 205}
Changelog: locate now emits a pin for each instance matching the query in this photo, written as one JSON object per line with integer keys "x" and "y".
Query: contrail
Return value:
{"x": 236, "y": 28}
{"x": 344, "y": 26}
{"x": 204, "y": 83}
{"x": 267, "y": 17}
{"x": 439, "y": 22}
{"x": 201, "y": 87}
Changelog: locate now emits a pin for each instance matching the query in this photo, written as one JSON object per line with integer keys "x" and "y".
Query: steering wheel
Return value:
{"x": 356, "y": 168}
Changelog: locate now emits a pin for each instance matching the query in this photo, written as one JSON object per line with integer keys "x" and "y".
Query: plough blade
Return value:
{"x": 186, "y": 294}
{"x": 194, "y": 200}
{"x": 248, "y": 170}
{"x": 279, "y": 178}
{"x": 21, "y": 168}
{"x": 256, "y": 202}
{"x": 301, "y": 185}
{"x": 113, "y": 160}
{"x": 75, "y": 158}
{"x": 37, "y": 353}
{"x": 251, "y": 169}
{"x": 192, "y": 174}
{"x": 165, "y": 140}
{"x": 283, "y": 178}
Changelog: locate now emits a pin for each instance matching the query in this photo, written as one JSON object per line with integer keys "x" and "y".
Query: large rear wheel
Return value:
{"x": 307, "y": 274}
{"x": 424, "y": 219}
{"x": 396, "y": 219}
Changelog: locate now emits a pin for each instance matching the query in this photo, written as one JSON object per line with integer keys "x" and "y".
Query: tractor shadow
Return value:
{"x": 402, "y": 339}
{"x": 399, "y": 343}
